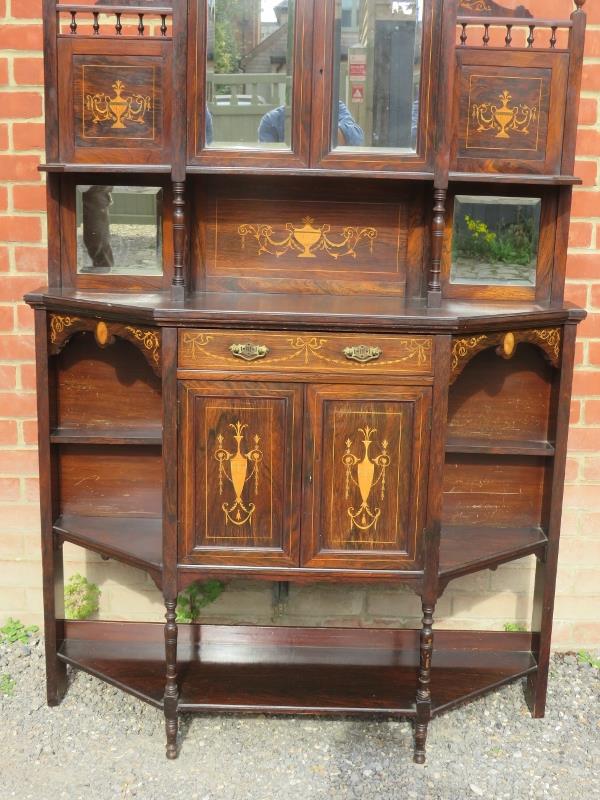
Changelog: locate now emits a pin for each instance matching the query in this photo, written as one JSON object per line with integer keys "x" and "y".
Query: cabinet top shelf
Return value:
{"x": 305, "y": 311}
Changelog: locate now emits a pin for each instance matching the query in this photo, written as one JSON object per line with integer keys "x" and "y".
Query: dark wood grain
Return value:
{"x": 466, "y": 549}
{"x": 110, "y": 480}
{"x": 52, "y": 556}
{"x": 365, "y": 457}
{"x": 89, "y": 66}
{"x": 496, "y": 402}
{"x": 239, "y": 496}
{"x": 487, "y": 490}
{"x": 299, "y": 671}
{"x": 135, "y": 541}
{"x": 106, "y": 392}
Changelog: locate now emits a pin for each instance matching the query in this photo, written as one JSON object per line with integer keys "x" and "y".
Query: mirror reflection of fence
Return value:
{"x": 119, "y": 229}
{"x": 377, "y": 73}
{"x": 495, "y": 240}
{"x": 249, "y": 73}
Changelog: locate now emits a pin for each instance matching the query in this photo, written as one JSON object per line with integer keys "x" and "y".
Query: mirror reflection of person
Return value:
{"x": 272, "y": 127}
{"x": 96, "y": 200}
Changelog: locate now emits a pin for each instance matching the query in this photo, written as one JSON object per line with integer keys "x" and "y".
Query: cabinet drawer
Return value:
{"x": 289, "y": 351}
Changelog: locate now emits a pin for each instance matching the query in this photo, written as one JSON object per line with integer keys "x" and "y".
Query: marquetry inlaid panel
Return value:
{"x": 368, "y": 453}
{"x": 310, "y": 245}
{"x": 242, "y": 450}
{"x": 342, "y": 354}
{"x": 115, "y": 102}
{"x": 509, "y": 109}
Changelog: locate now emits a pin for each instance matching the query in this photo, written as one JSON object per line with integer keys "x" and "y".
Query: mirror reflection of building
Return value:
{"x": 248, "y": 70}
{"x": 377, "y": 66}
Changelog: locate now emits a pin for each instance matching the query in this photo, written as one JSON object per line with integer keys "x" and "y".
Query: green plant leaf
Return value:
{"x": 7, "y": 685}
{"x": 81, "y": 597}
{"x": 15, "y": 631}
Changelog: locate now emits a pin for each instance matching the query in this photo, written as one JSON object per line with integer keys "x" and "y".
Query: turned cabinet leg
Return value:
{"x": 424, "y": 690}
{"x": 171, "y": 697}
{"x": 56, "y": 670}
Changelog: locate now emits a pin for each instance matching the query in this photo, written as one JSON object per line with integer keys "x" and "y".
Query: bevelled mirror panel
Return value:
{"x": 249, "y": 74}
{"x": 377, "y": 74}
{"x": 119, "y": 230}
{"x": 495, "y": 240}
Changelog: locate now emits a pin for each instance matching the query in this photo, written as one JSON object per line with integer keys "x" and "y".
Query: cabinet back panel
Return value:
{"x": 500, "y": 400}
{"x": 483, "y": 490}
{"x": 301, "y": 236}
{"x": 105, "y": 388}
{"x": 107, "y": 480}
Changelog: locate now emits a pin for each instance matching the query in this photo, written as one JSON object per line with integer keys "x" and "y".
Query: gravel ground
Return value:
{"x": 102, "y": 744}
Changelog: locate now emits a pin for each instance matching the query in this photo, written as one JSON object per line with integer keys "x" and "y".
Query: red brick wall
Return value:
{"x": 22, "y": 267}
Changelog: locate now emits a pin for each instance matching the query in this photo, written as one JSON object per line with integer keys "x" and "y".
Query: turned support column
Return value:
{"x": 171, "y": 696}
{"x": 178, "y": 283}
{"x": 434, "y": 288}
{"x": 424, "y": 688}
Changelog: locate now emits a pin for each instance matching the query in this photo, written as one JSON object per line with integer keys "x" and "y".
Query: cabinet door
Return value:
{"x": 365, "y": 473}
{"x": 240, "y": 466}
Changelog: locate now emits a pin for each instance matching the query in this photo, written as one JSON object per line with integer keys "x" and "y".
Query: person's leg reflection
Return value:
{"x": 96, "y": 227}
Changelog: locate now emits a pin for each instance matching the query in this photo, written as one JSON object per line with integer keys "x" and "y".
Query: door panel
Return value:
{"x": 366, "y": 456}
{"x": 241, "y": 454}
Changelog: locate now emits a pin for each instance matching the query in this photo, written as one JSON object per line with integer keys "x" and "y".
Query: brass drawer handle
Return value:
{"x": 362, "y": 353}
{"x": 248, "y": 351}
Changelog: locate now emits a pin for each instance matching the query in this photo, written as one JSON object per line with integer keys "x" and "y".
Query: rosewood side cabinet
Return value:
{"x": 305, "y": 322}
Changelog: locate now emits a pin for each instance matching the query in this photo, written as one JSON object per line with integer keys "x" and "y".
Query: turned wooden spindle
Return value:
{"x": 178, "y": 234}
{"x": 508, "y": 37}
{"x": 424, "y": 687}
{"x": 141, "y": 24}
{"x": 118, "y": 26}
{"x": 463, "y": 35}
{"x": 580, "y": 4}
{"x": 486, "y": 35}
{"x": 73, "y": 25}
{"x": 163, "y": 24}
{"x": 531, "y": 37}
{"x": 96, "y": 24}
{"x": 171, "y": 696}
{"x": 434, "y": 294}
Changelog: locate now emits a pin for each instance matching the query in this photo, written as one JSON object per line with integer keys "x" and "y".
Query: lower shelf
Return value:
{"x": 296, "y": 670}
{"x": 133, "y": 540}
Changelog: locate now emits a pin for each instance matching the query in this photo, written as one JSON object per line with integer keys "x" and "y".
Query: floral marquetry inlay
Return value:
{"x": 149, "y": 339}
{"x": 502, "y": 117}
{"x": 199, "y": 349}
{"x": 365, "y": 473}
{"x": 118, "y": 109}
{"x": 307, "y": 239}
{"x": 238, "y": 469}
{"x": 58, "y": 324}
{"x": 465, "y": 348}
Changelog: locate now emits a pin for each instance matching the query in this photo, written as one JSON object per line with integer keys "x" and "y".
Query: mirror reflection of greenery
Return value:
{"x": 511, "y": 243}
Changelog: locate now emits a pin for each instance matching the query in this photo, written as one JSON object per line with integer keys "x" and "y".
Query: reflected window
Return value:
{"x": 377, "y": 72}
{"x": 249, "y": 73}
{"x": 119, "y": 230}
{"x": 495, "y": 240}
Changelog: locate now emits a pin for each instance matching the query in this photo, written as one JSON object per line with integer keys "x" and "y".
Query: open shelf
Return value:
{"x": 296, "y": 670}
{"x": 509, "y": 447}
{"x": 138, "y": 436}
{"x": 465, "y": 549}
{"x": 133, "y": 540}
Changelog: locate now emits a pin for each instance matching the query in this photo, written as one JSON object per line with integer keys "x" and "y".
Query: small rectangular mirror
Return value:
{"x": 250, "y": 46}
{"x": 377, "y": 74}
{"x": 119, "y": 230}
{"x": 495, "y": 240}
